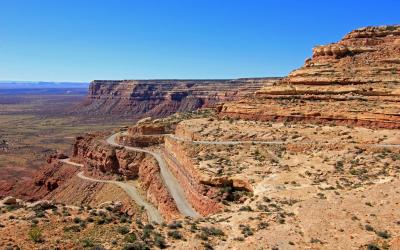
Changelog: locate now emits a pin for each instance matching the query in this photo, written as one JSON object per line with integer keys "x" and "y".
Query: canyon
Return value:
{"x": 308, "y": 161}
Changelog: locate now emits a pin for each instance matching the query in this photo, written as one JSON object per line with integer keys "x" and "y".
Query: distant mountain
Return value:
{"x": 43, "y": 85}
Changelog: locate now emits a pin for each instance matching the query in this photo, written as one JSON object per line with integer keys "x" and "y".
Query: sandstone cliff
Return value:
{"x": 159, "y": 98}
{"x": 103, "y": 160}
{"x": 352, "y": 82}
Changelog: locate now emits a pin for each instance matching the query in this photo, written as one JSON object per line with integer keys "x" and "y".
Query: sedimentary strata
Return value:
{"x": 353, "y": 82}
{"x": 159, "y": 98}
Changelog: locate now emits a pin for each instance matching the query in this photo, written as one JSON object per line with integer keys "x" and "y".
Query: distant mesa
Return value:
{"x": 160, "y": 98}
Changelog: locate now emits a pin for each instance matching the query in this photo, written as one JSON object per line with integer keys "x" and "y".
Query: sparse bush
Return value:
{"x": 100, "y": 221}
{"x": 175, "y": 225}
{"x": 123, "y": 219}
{"x": 369, "y": 227}
{"x": 131, "y": 238}
{"x": 87, "y": 243}
{"x": 74, "y": 228}
{"x": 123, "y": 230}
{"x": 35, "y": 235}
{"x": 246, "y": 208}
{"x": 136, "y": 246}
{"x": 77, "y": 220}
{"x": 384, "y": 234}
{"x": 175, "y": 234}
{"x": 212, "y": 231}
{"x": 372, "y": 246}
{"x": 159, "y": 241}
{"x": 246, "y": 230}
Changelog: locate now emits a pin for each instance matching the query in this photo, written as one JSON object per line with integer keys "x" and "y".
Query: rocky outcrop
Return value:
{"x": 353, "y": 82}
{"x": 102, "y": 159}
{"x": 96, "y": 154}
{"x": 364, "y": 56}
{"x": 143, "y": 135}
{"x": 45, "y": 180}
{"x": 158, "y": 98}
{"x": 202, "y": 195}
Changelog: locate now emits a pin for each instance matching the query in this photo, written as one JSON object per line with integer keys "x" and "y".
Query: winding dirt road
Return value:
{"x": 169, "y": 179}
{"x": 152, "y": 212}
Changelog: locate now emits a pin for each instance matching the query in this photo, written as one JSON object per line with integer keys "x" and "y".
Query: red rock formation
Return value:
{"x": 101, "y": 158}
{"x": 146, "y": 129}
{"x": 353, "y": 82}
{"x": 140, "y": 141}
{"x": 157, "y": 193}
{"x": 202, "y": 195}
{"x": 47, "y": 179}
{"x": 158, "y": 98}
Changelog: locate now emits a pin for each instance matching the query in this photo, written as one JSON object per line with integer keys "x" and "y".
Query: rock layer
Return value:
{"x": 158, "y": 98}
{"x": 353, "y": 82}
{"x": 102, "y": 159}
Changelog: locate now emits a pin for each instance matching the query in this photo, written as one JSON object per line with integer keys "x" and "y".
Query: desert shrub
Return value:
{"x": 123, "y": 230}
{"x": 159, "y": 241}
{"x": 82, "y": 224}
{"x": 74, "y": 228}
{"x": 262, "y": 225}
{"x": 130, "y": 238}
{"x": 202, "y": 236}
{"x": 77, "y": 220}
{"x": 212, "y": 231}
{"x": 35, "y": 235}
{"x": 246, "y": 230}
{"x": 372, "y": 246}
{"x": 10, "y": 208}
{"x": 245, "y": 208}
{"x": 175, "y": 225}
{"x": 123, "y": 219}
{"x": 369, "y": 227}
{"x": 87, "y": 243}
{"x": 175, "y": 234}
{"x": 384, "y": 234}
{"x": 100, "y": 221}
{"x": 136, "y": 246}
{"x": 40, "y": 214}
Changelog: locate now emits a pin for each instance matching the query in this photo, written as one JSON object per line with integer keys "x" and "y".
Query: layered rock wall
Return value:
{"x": 201, "y": 196}
{"x": 353, "y": 82}
{"x": 158, "y": 98}
{"x": 101, "y": 158}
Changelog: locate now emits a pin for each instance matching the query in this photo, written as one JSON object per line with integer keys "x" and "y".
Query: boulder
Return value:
{"x": 9, "y": 201}
{"x": 41, "y": 205}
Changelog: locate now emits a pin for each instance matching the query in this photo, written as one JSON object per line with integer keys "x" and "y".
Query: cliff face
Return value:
{"x": 352, "y": 82}
{"x": 364, "y": 56}
{"x": 101, "y": 159}
{"x": 158, "y": 98}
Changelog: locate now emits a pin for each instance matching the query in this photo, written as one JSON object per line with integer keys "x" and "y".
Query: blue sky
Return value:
{"x": 77, "y": 40}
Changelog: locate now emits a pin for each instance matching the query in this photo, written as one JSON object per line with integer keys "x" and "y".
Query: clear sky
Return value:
{"x": 82, "y": 40}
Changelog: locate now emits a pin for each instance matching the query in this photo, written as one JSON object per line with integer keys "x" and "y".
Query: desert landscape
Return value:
{"x": 307, "y": 161}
